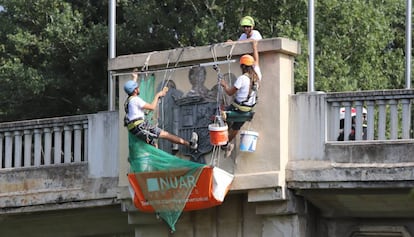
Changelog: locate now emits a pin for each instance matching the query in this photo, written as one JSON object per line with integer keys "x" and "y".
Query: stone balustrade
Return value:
{"x": 64, "y": 140}
{"x": 388, "y": 114}
{"x": 42, "y": 142}
{"x": 315, "y": 127}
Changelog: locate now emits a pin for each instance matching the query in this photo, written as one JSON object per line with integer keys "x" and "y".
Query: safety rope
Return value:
{"x": 173, "y": 69}
{"x": 216, "y": 153}
{"x": 219, "y": 78}
{"x": 166, "y": 80}
{"x": 144, "y": 70}
{"x": 231, "y": 52}
{"x": 145, "y": 66}
{"x": 229, "y": 56}
{"x": 220, "y": 94}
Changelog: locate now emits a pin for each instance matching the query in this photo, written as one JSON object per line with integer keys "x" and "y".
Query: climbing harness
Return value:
{"x": 139, "y": 127}
{"x": 242, "y": 107}
{"x": 135, "y": 123}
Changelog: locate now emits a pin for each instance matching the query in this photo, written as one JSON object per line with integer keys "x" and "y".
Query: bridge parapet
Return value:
{"x": 358, "y": 178}
{"x": 43, "y": 142}
{"x": 388, "y": 122}
{"x": 317, "y": 156}
{"x": 388, "y": 114}
{"x": 58, "y": 163}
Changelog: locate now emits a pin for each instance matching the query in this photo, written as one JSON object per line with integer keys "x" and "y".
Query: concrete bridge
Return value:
{"x": 67, "y": 176}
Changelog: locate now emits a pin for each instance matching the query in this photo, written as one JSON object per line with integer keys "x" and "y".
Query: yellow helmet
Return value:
{"x": 247, "y": 60}
{"x": 247, "y": 21}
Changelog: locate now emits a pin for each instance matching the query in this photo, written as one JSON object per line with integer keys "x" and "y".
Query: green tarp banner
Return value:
{"x": 165, "y": 181}
{"x": 178, "y": 175}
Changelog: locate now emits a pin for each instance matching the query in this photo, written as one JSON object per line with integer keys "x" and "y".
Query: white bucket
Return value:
{"x": 248, "y": 140}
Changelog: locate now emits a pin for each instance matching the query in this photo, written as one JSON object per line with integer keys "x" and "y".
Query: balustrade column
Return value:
{"x": 48, "y": 146}
{"x": 57, "y": 134}
{"x": 347, "y": 120}
{"x": 393, "y": 119}
{"x": 381, "y": 119}
{"x": 37, "y": 147}
{"x": 85, "y": 142}
{"x": 370, "y": 119}
{"x": 8, "y": 159}
{"x": 1, "y": 150}
{"x": 67, "y": 151}
{"x": 18, "y": 149}
{"x": 78, "y": 143}
{"x": 406, "y": 115}
{"x": 358, "y": 120}
{"x": 27, "y": 147}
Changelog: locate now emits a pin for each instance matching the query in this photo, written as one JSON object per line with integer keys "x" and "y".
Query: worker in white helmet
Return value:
{"x": 351, "y": 135}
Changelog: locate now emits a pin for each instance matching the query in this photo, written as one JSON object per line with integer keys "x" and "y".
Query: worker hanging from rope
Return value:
{"x": 245, "y": 91}
{"x": 135, "y": 117}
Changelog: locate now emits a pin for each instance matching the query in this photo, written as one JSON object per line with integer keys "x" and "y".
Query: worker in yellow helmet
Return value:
{"x": 249, "y": 33}
{"x": 247, "y": 25}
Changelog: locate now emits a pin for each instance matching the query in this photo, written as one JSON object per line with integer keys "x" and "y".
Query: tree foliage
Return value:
{"x": 52, "y": 59}
{"x": 53, "y": 53}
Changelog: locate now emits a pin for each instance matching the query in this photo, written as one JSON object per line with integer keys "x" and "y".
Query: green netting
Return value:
{"x": 146, "y": 88}
{"x": 168, "y": 197}
{"x": 146, "y": 159}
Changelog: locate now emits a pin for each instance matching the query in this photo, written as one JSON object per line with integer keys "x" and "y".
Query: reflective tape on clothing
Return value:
{"x": 243, "y": 108}
{"x": 134, "y": 124}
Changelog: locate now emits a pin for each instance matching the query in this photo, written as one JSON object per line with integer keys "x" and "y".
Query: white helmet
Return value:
{"x": 342, "y": 112}
{"x": 353, "y": 112}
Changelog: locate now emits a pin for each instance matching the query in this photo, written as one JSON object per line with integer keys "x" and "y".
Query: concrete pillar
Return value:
{"x": 309, "y": 109}
{"x": 260, "y": 174}
{"x": 288, "y": 218}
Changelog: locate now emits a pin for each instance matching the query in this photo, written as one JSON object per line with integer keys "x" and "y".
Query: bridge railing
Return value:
{"x": 370, "y": 115}
{"x": 39, "y": 142}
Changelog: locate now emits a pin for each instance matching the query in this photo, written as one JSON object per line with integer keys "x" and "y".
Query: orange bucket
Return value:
{"x": 218, "y": 134}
